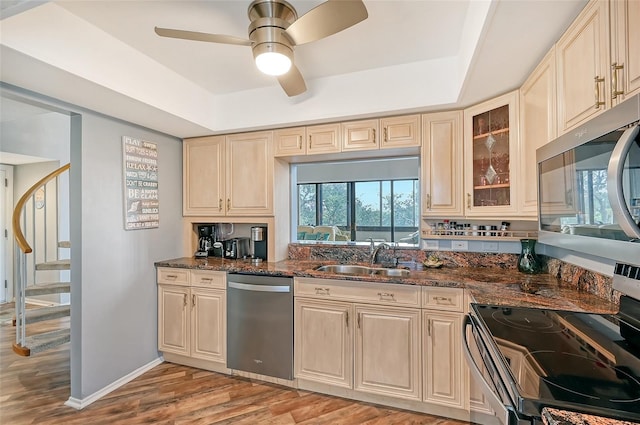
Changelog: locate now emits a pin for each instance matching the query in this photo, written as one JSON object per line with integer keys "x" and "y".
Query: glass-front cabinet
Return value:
{"x": 491, "y": 142}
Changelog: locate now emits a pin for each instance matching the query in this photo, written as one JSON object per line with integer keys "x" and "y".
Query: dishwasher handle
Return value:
{"x": 259, "y": 288}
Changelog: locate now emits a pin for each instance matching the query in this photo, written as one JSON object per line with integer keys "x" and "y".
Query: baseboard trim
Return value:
{"x": 80, "y": 404}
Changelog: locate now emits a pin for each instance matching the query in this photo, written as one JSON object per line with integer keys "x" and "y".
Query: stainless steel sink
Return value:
{"x": 361, "y": 270}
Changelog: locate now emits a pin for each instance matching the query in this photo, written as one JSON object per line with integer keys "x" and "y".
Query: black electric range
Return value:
{"x": 530, "y": 358}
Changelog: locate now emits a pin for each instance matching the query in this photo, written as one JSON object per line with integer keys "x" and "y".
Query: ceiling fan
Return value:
{"x": 275, "y": 30}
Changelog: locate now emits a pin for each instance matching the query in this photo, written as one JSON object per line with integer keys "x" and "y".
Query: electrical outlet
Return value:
{"x": 489, "y": 246}
{"x": 460, "y": 245}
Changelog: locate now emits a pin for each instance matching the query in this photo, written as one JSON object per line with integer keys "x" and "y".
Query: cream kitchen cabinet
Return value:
{"x": 582, "y": 55}
{"x": 384, "y": 133}
{"x": 360, "y": 336}
{"x": 290, "y": 141}
{"x": 192, "y": 314}
{"x": 387, "y": 351}
{"x": 444, "y": 382}
{"x": 442, "y": 164}
{"x": 228, "y": 175}
{"x": 625, "y": 49}
{"x": 538, "y": 126}
{"x": 491, "y": 146}
{"x": 324, "y": 138}
{"x": 323, "y": 341}
{"x": 203, "y": 185}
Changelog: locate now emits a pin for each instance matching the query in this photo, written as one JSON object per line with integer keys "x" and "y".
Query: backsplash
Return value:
{"x": 575, "y": 276}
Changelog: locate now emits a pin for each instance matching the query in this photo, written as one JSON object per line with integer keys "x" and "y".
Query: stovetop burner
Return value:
{"x": 530, "y": 321}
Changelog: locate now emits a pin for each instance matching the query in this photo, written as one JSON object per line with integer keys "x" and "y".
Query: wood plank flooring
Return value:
{"x": 33, "y": 390}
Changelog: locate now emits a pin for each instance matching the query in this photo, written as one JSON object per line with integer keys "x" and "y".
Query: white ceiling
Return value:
{"x": 407, "y": 56}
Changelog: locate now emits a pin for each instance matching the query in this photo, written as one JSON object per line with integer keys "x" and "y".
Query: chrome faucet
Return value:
{"x": 374, "y": 252}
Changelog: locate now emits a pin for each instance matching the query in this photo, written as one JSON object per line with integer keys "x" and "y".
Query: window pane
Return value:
{"x": 386, "y": 204}
{"x": 334, "y": 204}
{"x": 368, "y": 203}
{"x": 307, "y": 204}
{"x": 406, "y": 211}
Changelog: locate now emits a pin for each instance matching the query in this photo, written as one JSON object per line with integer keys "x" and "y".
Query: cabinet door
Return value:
{"x": 323, "y": 342}
{"x": 442, "y": 164}
{"x": 250, "y": 167}
{"x": 443, "y": 379}
{"x": 625, "y": 45}
{"x": 324, "y": 138}
{"x": 290, "y": 141}
{"x": 491, "y": 150}
{"x": 360, "y": 135}
{"x": 208, "y": 324}
{"x": 173, "y": 319}
{"x": 203, "y": 185}
{"x": 538, "y": 120}
{"x": 583, "y": 67}
{"x": 387, "y": 349}
{"x": 400, "y": 132}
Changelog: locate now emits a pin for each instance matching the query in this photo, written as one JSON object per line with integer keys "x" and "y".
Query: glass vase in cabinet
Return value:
{"x": 491, "y": 136}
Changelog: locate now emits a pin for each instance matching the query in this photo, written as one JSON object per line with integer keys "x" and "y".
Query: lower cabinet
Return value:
{"x": 387, "y": 354}
{"x": 192, "y": 319}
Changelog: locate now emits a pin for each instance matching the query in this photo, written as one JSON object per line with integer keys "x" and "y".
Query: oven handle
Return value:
{"x": 502, "y": 412}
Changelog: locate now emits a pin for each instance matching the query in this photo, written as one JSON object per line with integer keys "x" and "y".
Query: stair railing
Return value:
{"x": 30, "y": 199}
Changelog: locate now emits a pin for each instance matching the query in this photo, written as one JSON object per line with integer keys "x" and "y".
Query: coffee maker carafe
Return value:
{"x": 206, "y": 240}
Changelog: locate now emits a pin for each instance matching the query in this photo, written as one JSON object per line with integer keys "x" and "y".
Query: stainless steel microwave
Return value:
{"x": 589, "y": 186}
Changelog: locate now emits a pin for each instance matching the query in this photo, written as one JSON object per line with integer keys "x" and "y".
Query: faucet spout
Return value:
{"x": 374, "y": 253}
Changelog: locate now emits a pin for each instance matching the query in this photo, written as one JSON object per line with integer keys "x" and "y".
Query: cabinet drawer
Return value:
{"x": 450, "y": 299}
{"x": 208, "y": 279}
{"x": 173, "y": 276}
{"x": 361, "y": 292}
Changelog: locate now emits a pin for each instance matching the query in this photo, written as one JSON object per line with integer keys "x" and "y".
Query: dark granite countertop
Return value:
{"x": 562, "y": 417}
{"x": 487, "y": 285}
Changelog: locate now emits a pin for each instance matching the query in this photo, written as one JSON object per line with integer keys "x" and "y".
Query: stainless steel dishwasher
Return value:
{"x": 260, "y": 324}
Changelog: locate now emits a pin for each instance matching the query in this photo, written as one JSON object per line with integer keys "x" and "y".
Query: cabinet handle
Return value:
{"x": 469, "y": 200}
{"x": 172, "y": 276}
{"x": 206, "y": 279}
{"x": 220, "y": 204}
{"x": 228, "y": 204}
{"x": 429, "y": 327}
{"x": 322, "y": 291}
{"x": 598, "y": 103}
{"x": 309, "y": 141}
{"x": 359, "y": 314}
{"x": 389, "y": 296}
{"x": 374, "y": 135}
{"x": 385, "y": 135}
{"x": 184, "y": 300}
{"x": 447, "y": 299}
{"x": 193, "y": 300}
{"x": 346, "y": 318}
{"x": 614, "y": 80}
{"x": 299, "y": 142}
{"x": 428, "y": 201}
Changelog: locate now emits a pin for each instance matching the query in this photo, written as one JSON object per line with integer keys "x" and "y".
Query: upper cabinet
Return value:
{"x": 325, "y": 138}
{"x": 230, "y": 175}
{"x": 538, "y": 126}
{"x": 203, "y": 167}
{"x": 400, "y": 132}
{"x": 583, "y": 67}
{"x": 442, "y": 164}
{"x": 490, "y": 146}
{"x": 625, "y": 49}
{"x": 360, "y": 135}
{"x": 290, "y": 141}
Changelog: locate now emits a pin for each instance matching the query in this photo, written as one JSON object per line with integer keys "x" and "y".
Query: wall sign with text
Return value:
{"x": 140, "y": 163}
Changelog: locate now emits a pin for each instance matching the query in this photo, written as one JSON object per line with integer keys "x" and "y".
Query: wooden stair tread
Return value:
{"x": 41, "y": 342}
{"x": 55, "y": 265}
{"x": 48, "y": 288}
{"x": 46, "y": 313}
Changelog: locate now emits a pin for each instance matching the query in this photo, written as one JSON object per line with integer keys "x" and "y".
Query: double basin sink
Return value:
{"x": 362, "y": 271}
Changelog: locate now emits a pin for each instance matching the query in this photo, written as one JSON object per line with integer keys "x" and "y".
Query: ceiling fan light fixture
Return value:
{"x": 273, "y": 58}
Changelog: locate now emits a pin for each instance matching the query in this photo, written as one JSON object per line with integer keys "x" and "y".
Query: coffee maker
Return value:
{"x": 206, "y": 240}
{"x": 259, "y": 243}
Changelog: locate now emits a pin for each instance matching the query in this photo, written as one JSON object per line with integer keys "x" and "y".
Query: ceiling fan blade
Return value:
{"x": 202, "y": 36}
{"x": 292, "y": 82}
{"x": 326, "y": 19}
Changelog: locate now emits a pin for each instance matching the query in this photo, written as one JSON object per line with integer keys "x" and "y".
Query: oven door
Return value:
{"x": 486, "y": 374}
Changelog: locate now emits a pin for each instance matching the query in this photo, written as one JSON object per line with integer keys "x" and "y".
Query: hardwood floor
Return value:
{"x": 33, "y": 390}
